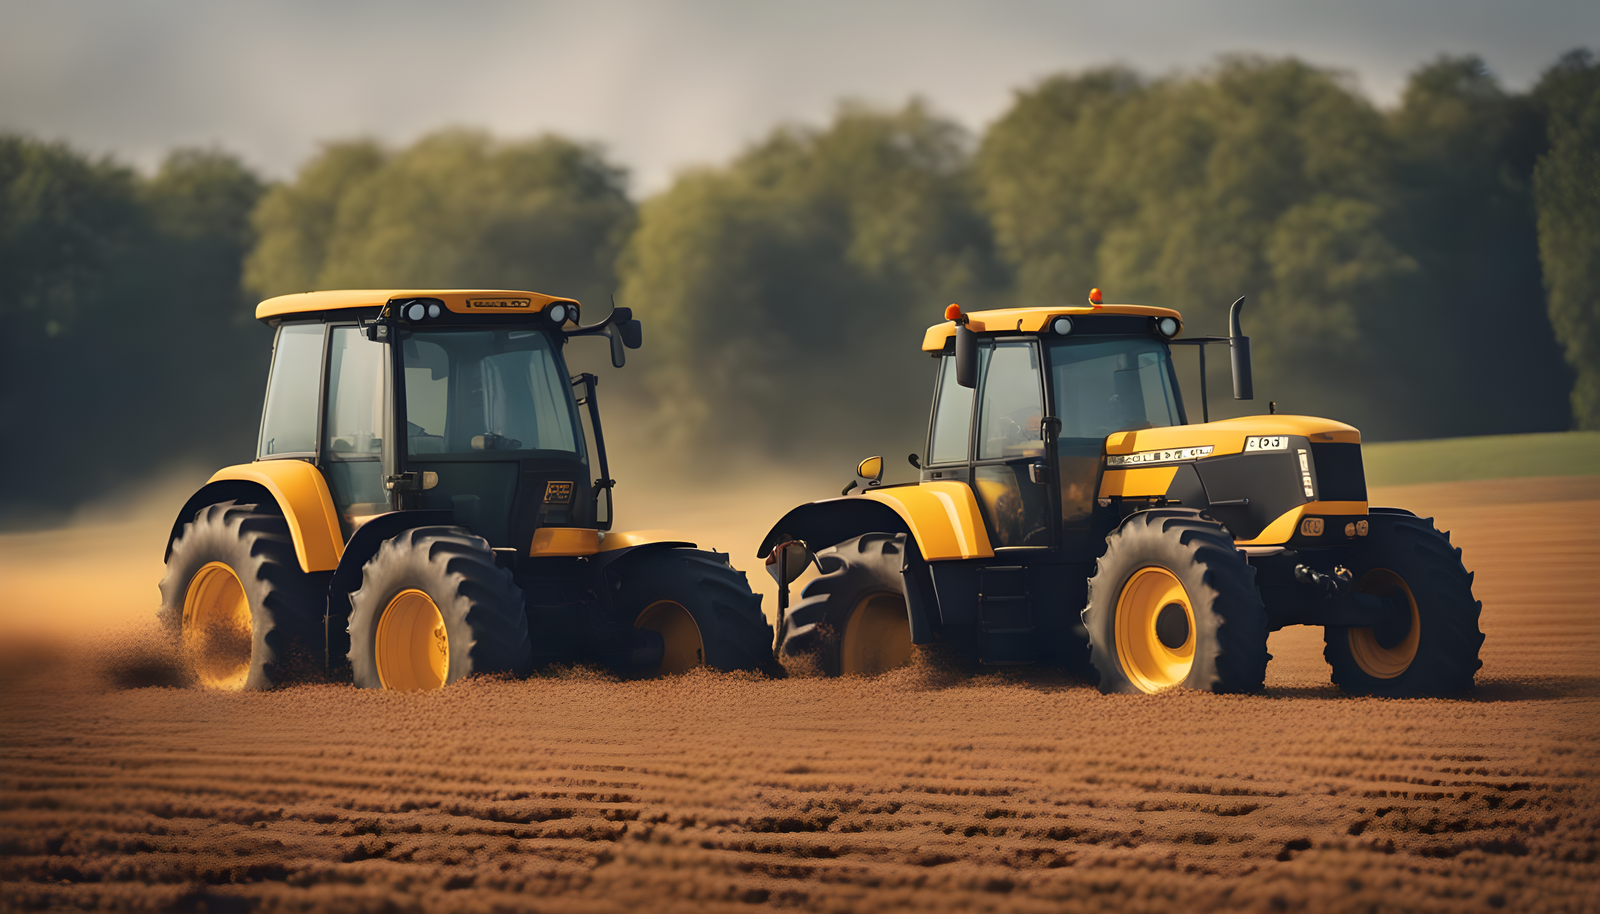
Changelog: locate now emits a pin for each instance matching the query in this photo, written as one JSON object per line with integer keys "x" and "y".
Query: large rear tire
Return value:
{"x": 852, "y": 620}
{"x": 702, "y": 607}
{"x": 235, "y": 599}
{"x": 1436, "y": 651}
{"x": 1174, "y": 604}
{"x": 433, "y": 609}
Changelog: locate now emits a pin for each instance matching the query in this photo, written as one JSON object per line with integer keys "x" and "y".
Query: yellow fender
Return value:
{"x": 942, "y": 517}
{"x": 303, "y": 497}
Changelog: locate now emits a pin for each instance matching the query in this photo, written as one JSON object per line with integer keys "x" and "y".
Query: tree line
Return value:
{"x": 1424, "y": 270}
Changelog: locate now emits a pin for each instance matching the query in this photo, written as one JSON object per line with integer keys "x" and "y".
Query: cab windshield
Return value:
{"x": 471, "y": 392}
{"x": 1112, "y": 384}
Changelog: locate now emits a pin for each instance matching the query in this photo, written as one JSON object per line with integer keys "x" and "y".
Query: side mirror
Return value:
{"x": 788, "y": 561}
{"x": 1239, "y": 348}
{"x": 966, "y": 357}
{"x": 632, "y": 334}
{"x": 619, "y": 354}
{"x": 870, "y": 469}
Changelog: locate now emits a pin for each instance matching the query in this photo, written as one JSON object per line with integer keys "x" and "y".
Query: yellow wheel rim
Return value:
{"x": 413, "y": 649}
{"x": 877, "y": 636}
{"x": 683, "y": 649}
{"x": 216, "y": 627}
{"x": 1155, "y": 630}
{"x": 1372, "y": 657}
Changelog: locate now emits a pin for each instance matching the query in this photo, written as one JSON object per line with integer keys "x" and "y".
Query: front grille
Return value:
{"x": 1340, "y": 476}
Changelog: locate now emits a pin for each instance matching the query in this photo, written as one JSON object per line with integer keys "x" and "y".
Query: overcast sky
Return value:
{"x": 661, "y": 84}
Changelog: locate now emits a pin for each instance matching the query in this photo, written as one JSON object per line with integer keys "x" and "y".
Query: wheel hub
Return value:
{"x": 1387, "y": 651}
{"x": 877, "y": 636}
{"x": 217, "y": 632}
{"x": 1155, "y": 629}
{"x": 413, "y": 646}
{"x": 1172, "y": 626}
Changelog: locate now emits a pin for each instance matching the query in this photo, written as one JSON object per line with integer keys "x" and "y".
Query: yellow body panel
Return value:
{"x": 1227, "y": 435}
{"x": 622, "y": 539}
{"x": 943, "y": 517}
{"x": 1138, "y": 483}
{"x": 1280, "y": 530}
{"x": 1029, "y": 320}
{"x": 303, "y": 497}
{"x": 556, "y": 541}
{"x": 463, "y": 301}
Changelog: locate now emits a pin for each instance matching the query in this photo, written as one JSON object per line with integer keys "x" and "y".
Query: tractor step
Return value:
{"x": 1004, "y": 607}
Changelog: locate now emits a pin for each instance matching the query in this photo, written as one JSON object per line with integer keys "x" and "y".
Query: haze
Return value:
{"x": 662, "y": 85}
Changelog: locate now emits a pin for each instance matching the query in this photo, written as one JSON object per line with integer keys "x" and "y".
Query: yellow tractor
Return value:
{"x": 1068, "y": 513}
{"x": 422, "y": 508}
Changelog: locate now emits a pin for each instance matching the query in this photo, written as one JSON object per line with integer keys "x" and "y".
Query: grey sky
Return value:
{"x": 661, "y": 84}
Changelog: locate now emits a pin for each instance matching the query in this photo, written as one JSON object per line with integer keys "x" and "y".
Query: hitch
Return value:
{"x": 1331, "y": 585}
{"x": 1337, "y": 603}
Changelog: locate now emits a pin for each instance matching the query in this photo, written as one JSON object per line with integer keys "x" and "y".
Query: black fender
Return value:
{"x": 604, "y": 565}
{"x": 820, "y": 524}
{"x": 214, "y": 493}
{"x": 922, "y": 601}
{"x": 363, "y": 545}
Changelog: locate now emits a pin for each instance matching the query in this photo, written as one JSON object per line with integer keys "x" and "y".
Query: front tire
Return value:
{"x": 433, "y": 609}
{"x": 702, "y": 607}
{"x": 234, "y": 597}
{"x": 1174, "y": 604}
{"x": 1436, "y": 652}
{"x": 852, "y": 619}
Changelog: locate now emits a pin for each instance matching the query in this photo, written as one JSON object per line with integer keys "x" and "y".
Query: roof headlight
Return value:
{"x": 433, "y": 310}
{"x": 558, "y": 314}
{"x": 416, "y": 311}
{"x": 1061, "y": 326}
{"x": 1168, "y": 327}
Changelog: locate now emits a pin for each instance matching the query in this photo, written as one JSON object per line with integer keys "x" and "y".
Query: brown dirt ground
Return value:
{"x": 914, "y": 790}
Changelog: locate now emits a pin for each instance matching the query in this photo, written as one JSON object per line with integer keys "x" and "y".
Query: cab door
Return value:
{"x": 354, "y": 425}
{"x": 1008, "y": 451}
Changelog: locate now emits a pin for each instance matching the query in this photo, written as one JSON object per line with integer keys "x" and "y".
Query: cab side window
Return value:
{"x": 352, "y": 447}
{"x": 289, "y": 421}
{"x": 952, "y": 417}
{"x": 1013, "y": 402}
{"x": 355, "y": 396}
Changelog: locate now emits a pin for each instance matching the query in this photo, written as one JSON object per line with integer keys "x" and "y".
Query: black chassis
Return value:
{"x": 1023, "y": 606}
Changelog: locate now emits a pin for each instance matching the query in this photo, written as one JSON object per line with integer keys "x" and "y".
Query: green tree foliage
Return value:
{"x": 456, "y": 209}
{"x": 1567, "y": 183}
{"x": 1277, "y": 180}
{"x": 1463, "y": 208}
{"x": 786, "y": 293}
{"x": 128, "y": 344}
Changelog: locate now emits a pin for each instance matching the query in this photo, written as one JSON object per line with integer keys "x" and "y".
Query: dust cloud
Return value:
{"x": 921, "y": 789}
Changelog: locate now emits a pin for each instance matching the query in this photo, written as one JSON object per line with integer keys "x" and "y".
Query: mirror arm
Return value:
{"x": 605, "y": 483}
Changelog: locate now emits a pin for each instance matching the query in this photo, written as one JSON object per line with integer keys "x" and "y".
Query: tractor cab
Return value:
{"x": 1075, "y": 381}
{"x": 455, "y": 402}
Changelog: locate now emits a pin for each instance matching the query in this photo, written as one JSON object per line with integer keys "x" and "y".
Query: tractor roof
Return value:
{"x": 1026, "y": 320}
{"x": 462, "y": 301}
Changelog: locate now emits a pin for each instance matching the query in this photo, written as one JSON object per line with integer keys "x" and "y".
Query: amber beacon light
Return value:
{"x": 1094, "y": 297}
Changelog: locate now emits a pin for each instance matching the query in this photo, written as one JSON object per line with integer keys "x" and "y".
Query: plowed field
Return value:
{"x": 916, "y": 790}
